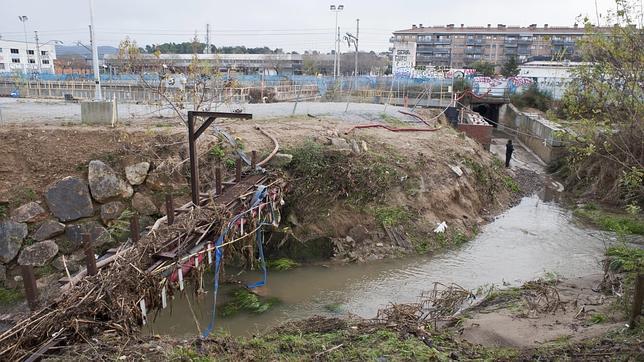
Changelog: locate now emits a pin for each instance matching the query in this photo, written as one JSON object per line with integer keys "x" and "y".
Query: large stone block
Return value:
{"x": 137, "y": 173}
{"x": 105, "y": 184}
{"x": 38, "y": 254}
{"x": 68, "y": 199}
{"x": 99, "y": 112}
{"x": 11, "y": 236}
{"x": 29, "y": 212}
{"x": 48, "y": 230}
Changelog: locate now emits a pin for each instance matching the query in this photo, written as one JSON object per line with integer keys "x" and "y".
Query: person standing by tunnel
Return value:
{"x": 509, "y": 148}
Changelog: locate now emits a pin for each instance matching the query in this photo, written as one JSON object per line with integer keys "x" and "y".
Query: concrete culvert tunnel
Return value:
{"x": 489, "y": 111}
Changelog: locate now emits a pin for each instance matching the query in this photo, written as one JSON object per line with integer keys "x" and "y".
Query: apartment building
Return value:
{"x": 459, "y": 46}
{"x": 26, "y": 58}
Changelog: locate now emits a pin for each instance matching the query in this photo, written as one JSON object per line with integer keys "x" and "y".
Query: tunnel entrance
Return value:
{"x": 489, "y": 111}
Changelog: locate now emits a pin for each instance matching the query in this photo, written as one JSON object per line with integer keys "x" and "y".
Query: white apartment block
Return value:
{"x": 26, "y": 58}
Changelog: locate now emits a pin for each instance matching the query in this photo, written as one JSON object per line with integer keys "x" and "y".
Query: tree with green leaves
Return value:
{"x": 510, "y": 68}
{"x": 483, "y": 68}
{"x": 604, "y": 103}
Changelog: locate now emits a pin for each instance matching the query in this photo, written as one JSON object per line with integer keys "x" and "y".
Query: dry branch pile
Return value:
{"x": 542, "y": 297}
{"x": 109, "y": 301}
{"x": 441, "y": 303}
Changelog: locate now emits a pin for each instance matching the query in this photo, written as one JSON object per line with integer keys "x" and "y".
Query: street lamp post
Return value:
{"x": 336, "y": 59}
{"x": 351, "y": 39}
{"x": 97, "y": 76}
{"x": 23, "y": 19}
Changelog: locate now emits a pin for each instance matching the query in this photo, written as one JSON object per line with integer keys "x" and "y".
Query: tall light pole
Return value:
{"x": 24, "y": 19}
{"x": 38, "y": 52}
{"x": 97, "y": 76}
{"x": 336, "y": 59}
{"x": 351, "y": 39}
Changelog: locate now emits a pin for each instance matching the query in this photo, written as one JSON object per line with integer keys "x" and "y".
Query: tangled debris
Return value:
{"x": 107, "y": 302}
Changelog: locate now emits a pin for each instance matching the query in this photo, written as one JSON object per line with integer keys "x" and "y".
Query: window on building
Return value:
{"x": 30, "y": 52}
{"x": 15, "y": 60}
{"x": 1, "y": 66}
{"x": 14, "y": 51}
{"x": 32, "y": 61}
{"x": 45, "y": 61}
{"x": 43, "y": 52}
{"x": 0, "y": 50}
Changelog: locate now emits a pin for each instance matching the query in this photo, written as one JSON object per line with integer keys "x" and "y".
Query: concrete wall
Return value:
{"x": 536, "y": 133}
{"x": 481, "y": 133}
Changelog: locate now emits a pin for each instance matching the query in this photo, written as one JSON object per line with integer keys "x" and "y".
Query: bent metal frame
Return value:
{"x": 193, "y": 135}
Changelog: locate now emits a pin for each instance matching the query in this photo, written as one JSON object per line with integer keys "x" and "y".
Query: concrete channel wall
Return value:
{"x": 537, "y": 133}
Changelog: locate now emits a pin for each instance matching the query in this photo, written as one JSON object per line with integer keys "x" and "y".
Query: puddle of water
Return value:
{"x": 527, "y": 241}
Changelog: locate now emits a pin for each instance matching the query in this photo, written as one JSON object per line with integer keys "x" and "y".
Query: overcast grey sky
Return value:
{"x": 288, "y": 24}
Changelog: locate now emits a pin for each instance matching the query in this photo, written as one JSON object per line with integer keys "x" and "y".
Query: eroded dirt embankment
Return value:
{"x": 404, "y": 181}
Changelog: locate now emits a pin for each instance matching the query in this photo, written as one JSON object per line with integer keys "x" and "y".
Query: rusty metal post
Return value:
{"x": 238, "y": 169}
{"x": 31, "y": 290}
{"x": 218, "y": 189}
{"x": 90, "y": 259}
{"x": 253, "y": 160}
{"x": 194, "y": 161}
{"x": 169, "y": 208}
{"x": 638, "y": 298}
{"x": 135, "y": 232}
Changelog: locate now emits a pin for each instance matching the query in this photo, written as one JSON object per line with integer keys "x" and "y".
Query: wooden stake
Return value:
{"x": 135, "y": 232}
{"x": 238, "y": 169}
{"x": 218, "y": 188}
{"x": 253, "y": 160}
{"x": 90, "y": 259}
{"x": 31, "y": 290}
{"x": 169, "y": 208}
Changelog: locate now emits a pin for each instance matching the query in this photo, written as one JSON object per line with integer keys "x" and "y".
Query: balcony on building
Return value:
{"x": 474, "y": 41}
{"x": 433, "y": 39}
{"x": 510, "y": 43}
{"x": 473, "y": 50}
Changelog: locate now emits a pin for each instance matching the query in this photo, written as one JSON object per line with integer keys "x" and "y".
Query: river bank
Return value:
{"x": 566, "y": 327}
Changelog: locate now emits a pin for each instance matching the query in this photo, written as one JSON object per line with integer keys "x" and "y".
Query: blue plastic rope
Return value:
{"x": 258, "y": 197}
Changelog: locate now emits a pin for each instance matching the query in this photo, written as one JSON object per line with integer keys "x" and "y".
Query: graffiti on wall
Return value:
{"x": 500, "y": 86}
{"x": 407, "y": 71}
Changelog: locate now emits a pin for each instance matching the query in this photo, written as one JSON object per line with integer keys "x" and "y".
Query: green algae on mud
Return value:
{"x": 622, "y": 223}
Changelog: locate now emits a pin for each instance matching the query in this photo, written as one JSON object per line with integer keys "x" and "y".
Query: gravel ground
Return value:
{"x": 56, "y": 112}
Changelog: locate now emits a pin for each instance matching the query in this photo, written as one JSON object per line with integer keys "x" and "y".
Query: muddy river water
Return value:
{"x": 529, "y": 240}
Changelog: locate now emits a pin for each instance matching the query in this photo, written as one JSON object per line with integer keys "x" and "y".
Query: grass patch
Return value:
{"x": 624, "y": 259}
{"x": 597, "y": 318}
{"x": 387, "y": 118}
{"x": 324, "y": 175}
{"x": 380, "y": 345}
{"x": 246, "y": 301}
{"x": 120, "y": 227}
{"x": 188, "y": 354}
{"x": 10, "y": 296}
{"x": 282, "y": 264}
{"x": 44, "y": 270}
{"x": 510, "y": 296}
{"x": 217, "y": 152}
{"x": 4, "y": 212}
{"x": 391, "y": 216}
{"x": 618, "y": 223}
{"x": 511, "y": 184}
